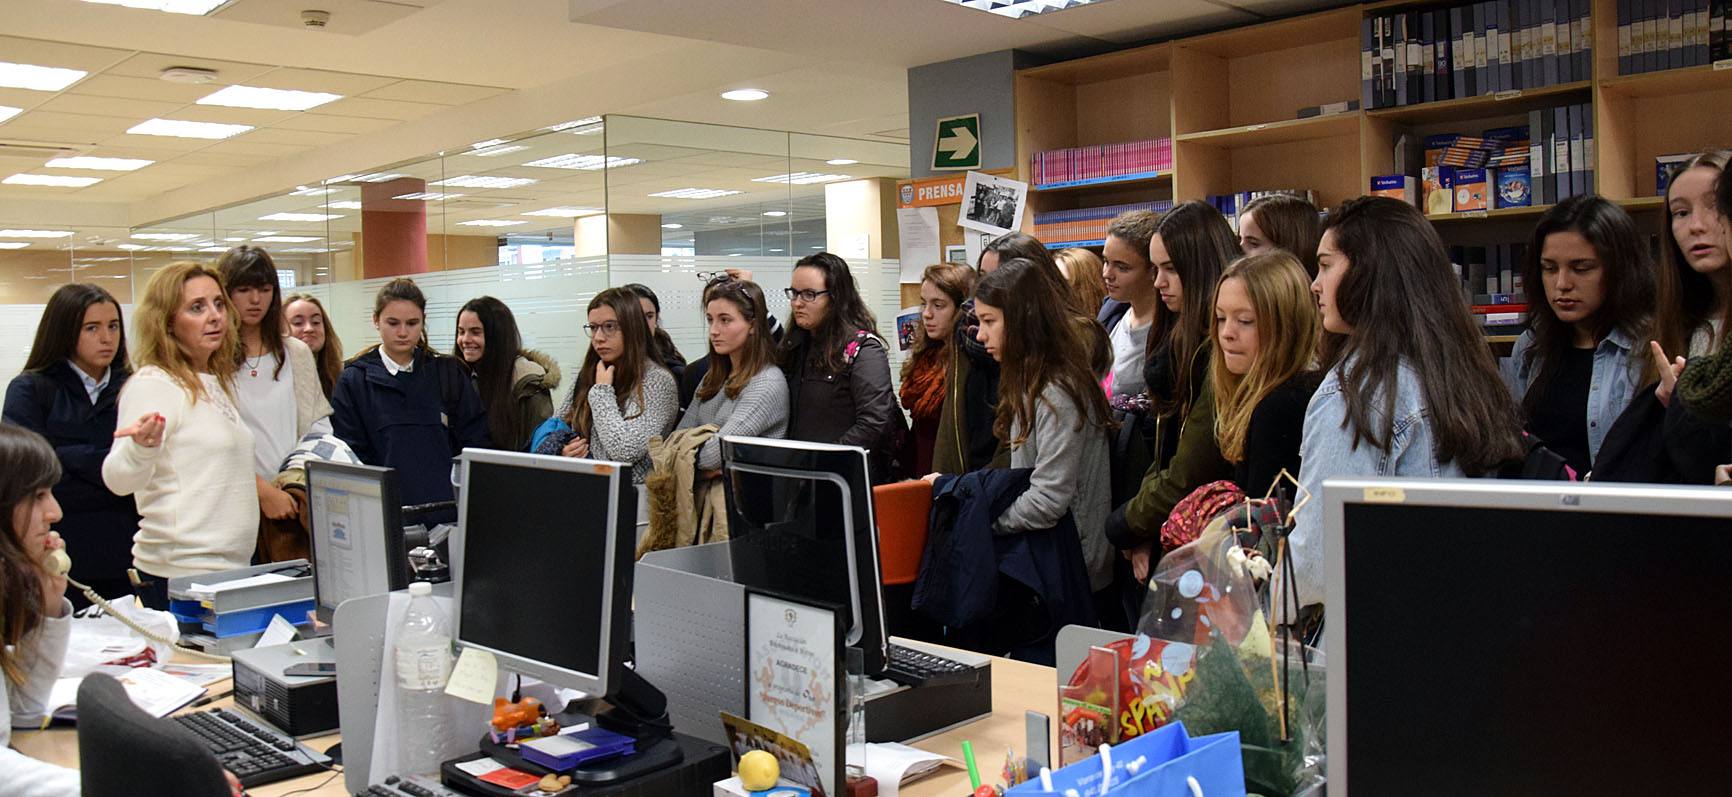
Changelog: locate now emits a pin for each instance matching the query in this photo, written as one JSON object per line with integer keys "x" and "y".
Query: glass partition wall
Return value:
{"x": 542, "y": 221}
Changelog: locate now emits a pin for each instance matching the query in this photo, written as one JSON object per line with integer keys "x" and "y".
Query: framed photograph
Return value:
{"x": 794, "y": 758}
{"x": 795, "y": 677}
{"x": 992, "y": 204}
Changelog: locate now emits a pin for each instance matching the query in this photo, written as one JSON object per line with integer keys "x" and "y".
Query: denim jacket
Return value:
{"x": 1617, "y": 370}
{"x": 1328, "y": 451}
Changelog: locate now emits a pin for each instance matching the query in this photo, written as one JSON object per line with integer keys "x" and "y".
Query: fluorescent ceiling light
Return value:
{"x": 38, "y": 78}
{"x": 13, "y": 244}
{"x": 287, "y": 239}
{"x": 490, "y": 223}
{"x": 305, "y": 191}
{"x": 427, "y": 196}
{"x": 299, "y": 217}
{"x": 100, "y": 164}
{"x": 672, "y": 226}
{"x": 346, "y": 204}
{"x": 165, "y": 236}
{"x": 1020, "y": 9}
{"x": 132, "y": 247}
{"x": 267, "y": 99}
{"x": 182, "y": 129}
{"x": 584, "y": 122}
{"x": 492, "y": 142}
{"x": 588, "y": 163}
{"x": 35, "y": 233}
{"x": 214, "y": 249}
{"x": 194, "y": 7}
{"x": 745, "y": 95}
{"x": 802, "y": 178}
{"x": 563, "y": 212}
{"x": 234, "y": 240}
{"x": 776, "y": 213}
{"x": 694, "y": 193}
{"x": 305, "y": 250}
{"x": 483, "y": 181}
{"x": 58, "y": 181}
{"x": 493, "y": 152}
{"x": 7, "y": 112}
{"x": 374, "y": 177}
{"x": 841, "y": 162}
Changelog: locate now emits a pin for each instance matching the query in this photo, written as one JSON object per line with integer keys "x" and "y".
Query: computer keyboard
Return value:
{"x": 255, "y": 754}
{"x": 408, "y": 786}
{"x": 915, "y": 668}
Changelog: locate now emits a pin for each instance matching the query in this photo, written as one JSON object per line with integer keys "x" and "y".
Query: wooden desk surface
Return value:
{"x": 1016, "y": 687}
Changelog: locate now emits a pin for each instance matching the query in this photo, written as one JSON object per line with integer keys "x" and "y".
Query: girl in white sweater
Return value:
{"x": 188, "y": 457}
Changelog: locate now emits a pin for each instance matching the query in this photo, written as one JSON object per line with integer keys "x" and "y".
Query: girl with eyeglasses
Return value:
{"x": 837, "y": 367}
{"x": 403, "y": 405}
{"x": 623, "y": 397}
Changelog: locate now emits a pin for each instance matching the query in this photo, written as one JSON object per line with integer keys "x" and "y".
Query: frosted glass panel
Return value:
{"x": 18, "y": 323}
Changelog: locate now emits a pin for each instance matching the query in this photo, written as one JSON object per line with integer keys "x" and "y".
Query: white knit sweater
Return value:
{"x": 196, "y": 492}
{"x": 25, "y": 703}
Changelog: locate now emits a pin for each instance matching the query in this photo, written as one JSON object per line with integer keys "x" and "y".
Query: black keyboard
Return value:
{"x": 408, "y": 786}
{"x": 255, "y": 754}
{"x": 915, "y": 668}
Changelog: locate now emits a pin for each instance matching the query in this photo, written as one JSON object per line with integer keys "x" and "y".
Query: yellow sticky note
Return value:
{"x": 474, "y": 677}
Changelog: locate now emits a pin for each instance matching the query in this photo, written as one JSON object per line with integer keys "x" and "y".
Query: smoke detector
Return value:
{"x": 191, "y": 75}
{"x": 313, "y": 18}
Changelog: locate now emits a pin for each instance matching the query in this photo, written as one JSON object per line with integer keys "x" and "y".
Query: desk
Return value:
{"x": 1016, "y": 687}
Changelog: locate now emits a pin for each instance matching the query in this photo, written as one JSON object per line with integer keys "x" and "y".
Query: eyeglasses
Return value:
{"x": 604, "y": 330}
{"x": 706, "y": 276}
{"x": 803, "y": 296}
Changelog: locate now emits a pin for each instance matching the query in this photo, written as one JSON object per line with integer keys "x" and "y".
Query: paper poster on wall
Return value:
{"x": 973, "y": 243}
{"x": 918, "y": 228}
{"x": 908, "y": 324}
{"x": 992, "y": 204}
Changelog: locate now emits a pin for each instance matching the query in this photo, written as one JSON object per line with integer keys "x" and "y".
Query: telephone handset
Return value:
{"x": 57, "y": 562}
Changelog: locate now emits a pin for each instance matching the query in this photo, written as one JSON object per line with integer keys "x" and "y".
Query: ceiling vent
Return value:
{"x": 190, "y": 75}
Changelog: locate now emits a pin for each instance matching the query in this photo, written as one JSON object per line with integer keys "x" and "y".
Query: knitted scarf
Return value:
{"x": 923, "y": 388}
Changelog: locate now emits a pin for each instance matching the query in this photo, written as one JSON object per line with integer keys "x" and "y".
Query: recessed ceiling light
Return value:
{"x": 775, "y": 250}
{"x": 13, "y": 244}
{"x": 483, "y": 181}
{"x": 588, "y": 163}
{"x": 745, "y": 95}
{"x": 375, "y": 177}
{"x": 165, "y": 236}
{"x": 733, "y": 254}
{"x": 585, "y": 121}
{"x": 234, "y": 240}
{"x": 776, "y": 213}
{"x": 306, "y": 250}
{"x": 305, "y": 191}
{"x": 194, "y": 7}
{"x": 55, "y": 180}
{"x": 100, "y": 164}
{"x": 213, "y": 249}
{"x": 267, "y": 99}
{"x": 493, "y": 152}
{"x": 132, "y": 247}
{"x": 346, "y": 204}
{"x": 7, "y": 112}
{"x": 694, "y": 193}
{"x": 286, "y": 239}
{"x": 841, "y": 162}
{"x": 490, "y": 223}
{"x": 563, "y": 212}
{"x": 672, "y": 226}
{"x": 38, "y": 78}
{"x": 492, "y": 142}
{"x": 298, "y": 217}
{"x": 182, "y": 129}
{"x": 427, "y": 196}
{"x": 35, "y": 233}
{"x": 802, "y": 178}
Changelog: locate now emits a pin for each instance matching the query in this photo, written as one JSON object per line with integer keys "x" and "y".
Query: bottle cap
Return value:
{"x": 419, "y": 588}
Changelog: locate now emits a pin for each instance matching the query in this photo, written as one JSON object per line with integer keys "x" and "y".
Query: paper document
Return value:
{"x": 917, "y": 228}
{"x": 894, "y": 765}
{"x": 157, "y": 692}
{"x": 207, "y": 590}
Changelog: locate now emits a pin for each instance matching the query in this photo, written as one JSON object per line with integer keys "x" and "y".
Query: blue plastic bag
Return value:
{"x": 1165, "y": 762}
{"x": 554, "y": 427}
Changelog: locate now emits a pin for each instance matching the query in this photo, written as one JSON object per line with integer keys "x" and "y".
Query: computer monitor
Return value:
{"x": 541, "y": 560}
{"x": 1519, "y": 638}
{"x": 356, "y": 534}
{"x": 800, "y": 523}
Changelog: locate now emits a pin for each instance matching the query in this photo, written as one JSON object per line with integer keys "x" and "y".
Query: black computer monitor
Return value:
{"x": 542, "y": 563}
{"x": 1520, "y": 638}
{"x": 800, "y": 523}
{"x": 355, "y": 530}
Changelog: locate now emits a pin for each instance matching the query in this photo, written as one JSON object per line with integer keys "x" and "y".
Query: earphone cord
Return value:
{"x": 148, "y": 634}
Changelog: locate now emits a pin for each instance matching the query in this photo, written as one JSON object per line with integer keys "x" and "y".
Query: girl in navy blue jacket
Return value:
{"x": 67, "y": 393}
{"x": 403, "y": 405}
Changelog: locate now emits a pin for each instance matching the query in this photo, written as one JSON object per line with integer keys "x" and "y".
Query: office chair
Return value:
{"x": 901, "y": 510}
{"x": 124, "y": 751}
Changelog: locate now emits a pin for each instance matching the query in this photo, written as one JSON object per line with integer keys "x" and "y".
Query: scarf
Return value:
{"x": 923, "y": 387}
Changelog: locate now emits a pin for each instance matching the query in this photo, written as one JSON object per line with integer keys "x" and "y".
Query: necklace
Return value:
{"x": 253, "y": 365}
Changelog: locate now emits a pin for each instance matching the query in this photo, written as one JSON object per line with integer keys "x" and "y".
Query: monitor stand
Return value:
{"x": 636, "y": 709}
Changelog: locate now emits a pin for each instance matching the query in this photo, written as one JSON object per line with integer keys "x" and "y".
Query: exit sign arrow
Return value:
{"x": 956, "y": 144}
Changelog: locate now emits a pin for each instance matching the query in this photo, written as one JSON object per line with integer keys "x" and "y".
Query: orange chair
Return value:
{"x": 901, "y": 511}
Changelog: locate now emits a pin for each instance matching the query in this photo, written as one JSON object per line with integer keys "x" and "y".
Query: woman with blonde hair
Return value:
{"x": 1265, "y": 330}
{"x": 185, "y": 453}
{"x": 306, "y": 319}
{"x": 1082, "y": 269}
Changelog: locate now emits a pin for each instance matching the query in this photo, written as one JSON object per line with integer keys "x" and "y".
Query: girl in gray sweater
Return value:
{"x": 1050, "y": 409}
{"x": 623, "y": 396}
{"x": 743, "y": 393}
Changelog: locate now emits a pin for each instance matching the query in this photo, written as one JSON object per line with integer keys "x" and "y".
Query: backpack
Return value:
{"x": 1538, "y": 463}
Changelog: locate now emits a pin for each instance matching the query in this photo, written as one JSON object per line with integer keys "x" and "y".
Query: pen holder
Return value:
{"x": 1162, "y": 763}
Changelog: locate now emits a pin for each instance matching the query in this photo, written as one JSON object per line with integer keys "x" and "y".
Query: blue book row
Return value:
{"x": 1408, "y": 57}
{"x": 1671, "y": 34}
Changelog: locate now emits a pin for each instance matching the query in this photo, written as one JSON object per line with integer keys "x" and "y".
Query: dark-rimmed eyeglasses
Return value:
{"x": 803, "y": 296}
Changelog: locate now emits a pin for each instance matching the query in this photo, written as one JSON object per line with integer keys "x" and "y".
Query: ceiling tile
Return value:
{"x": 231, "y": 116}
{"x": 207, "y": 158}
{"x": 297, "y": 137}
{"x": 150, "y": 65}
{"x": 89, "y": 128}
{"x": 58, "y": 54}
{"x": 243, "y": 146}
{"x": 426, "y": 91}
{"x": 138, "y": 88}
{"x": 322, "y": 123}
{"x": 136, "y": 110}
{"x": 155, "y": 147}
{"x": 25, "y": 98}
{"x": 379, "y": 109}
{"x": 342, "y": 83}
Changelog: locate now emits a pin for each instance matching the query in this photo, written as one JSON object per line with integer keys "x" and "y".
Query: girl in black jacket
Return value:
{"x": 67, "y": 393}
{"x": 1265, "y": 332}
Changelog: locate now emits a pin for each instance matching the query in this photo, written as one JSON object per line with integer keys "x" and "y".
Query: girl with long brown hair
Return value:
{"x": 943, "y": 289}
{"x": 1285, "y": 222}
{"x": 307, "y": 320}
{"x": 516, "y": 383}
{"x": 623, "y": 397}
{"x": 743, "y": 392}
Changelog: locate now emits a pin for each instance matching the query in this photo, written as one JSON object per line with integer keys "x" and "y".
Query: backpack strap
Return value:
{"x": 852, "y": 350}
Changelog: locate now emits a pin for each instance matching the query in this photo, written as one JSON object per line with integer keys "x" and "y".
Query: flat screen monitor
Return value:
{"x": 355, "y": 529}
{"x": 800, "y": 523}
{"x": 1522, "y": 638}
{"x": 541, "y": 560}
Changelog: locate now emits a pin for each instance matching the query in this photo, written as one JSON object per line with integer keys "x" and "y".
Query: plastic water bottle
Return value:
{"x": 423, "y": 658}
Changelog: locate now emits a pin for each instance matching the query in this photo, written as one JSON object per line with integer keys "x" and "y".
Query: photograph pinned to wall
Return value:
{"x": 973, "y": 243}
{"x": 992, "y": 204}
{"x": 907, "y": 321}
{"x": 957, "y": 255}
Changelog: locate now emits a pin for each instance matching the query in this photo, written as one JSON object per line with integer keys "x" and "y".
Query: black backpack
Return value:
{"x": 1538, "y": 463}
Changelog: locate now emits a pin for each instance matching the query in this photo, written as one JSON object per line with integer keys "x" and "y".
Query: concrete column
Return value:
{"x": 393, "y": 231}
